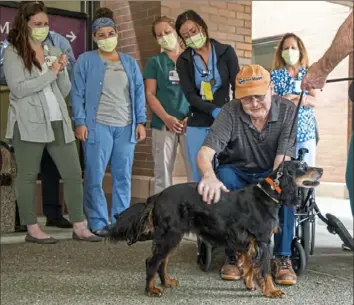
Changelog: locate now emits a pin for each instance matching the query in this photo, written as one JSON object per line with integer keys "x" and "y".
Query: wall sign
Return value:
{"x": 74, "y": 29}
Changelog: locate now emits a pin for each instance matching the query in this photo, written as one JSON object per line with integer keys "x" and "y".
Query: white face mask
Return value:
{"x": 291, "y": 56}
{"x": 168, "y": 42}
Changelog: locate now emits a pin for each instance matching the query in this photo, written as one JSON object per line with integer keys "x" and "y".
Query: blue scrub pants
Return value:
{"x": 112, "y": 144}
{"x": 235, "y": 179}
{"x": 195, "y": 140}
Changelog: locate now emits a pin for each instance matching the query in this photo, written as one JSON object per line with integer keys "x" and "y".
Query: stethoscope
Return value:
{"x": 205, "y": 73}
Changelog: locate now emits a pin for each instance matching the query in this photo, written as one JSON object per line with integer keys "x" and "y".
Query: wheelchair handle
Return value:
{"x": 301, "y": 153}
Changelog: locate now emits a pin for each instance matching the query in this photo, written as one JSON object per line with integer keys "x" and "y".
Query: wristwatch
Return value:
{"x": 144, "y": 124}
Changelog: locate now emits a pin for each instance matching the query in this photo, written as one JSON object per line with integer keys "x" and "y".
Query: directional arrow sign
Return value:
{"x": 71, "y": 36}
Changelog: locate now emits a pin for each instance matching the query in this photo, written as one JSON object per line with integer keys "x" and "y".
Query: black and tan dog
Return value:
{"x": 242, "y": 220}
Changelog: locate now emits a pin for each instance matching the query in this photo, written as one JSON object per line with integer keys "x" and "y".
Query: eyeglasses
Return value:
{"x": 249, "y": 99}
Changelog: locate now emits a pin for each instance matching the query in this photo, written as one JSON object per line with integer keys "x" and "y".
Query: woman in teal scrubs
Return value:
{"x": 168, "y": 104}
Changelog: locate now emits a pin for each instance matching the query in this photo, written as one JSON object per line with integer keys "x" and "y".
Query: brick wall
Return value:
{"x": 228, "y": 22}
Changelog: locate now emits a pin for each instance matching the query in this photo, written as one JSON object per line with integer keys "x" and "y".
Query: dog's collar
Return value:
{"x": 275, "y": 200}
{"x": 273, "y": 185}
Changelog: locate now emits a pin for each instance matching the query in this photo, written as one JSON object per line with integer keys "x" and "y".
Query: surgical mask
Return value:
{"x": 108, "y": 44}
{"x": 196, "y": 42}
{"x": 168, "y": 42}
{"x": 291, "y": 56}
{"x": 40, "y": 34}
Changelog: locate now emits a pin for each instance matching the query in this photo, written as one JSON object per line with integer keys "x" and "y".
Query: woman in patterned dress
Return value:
{"x": 290, "y": 66}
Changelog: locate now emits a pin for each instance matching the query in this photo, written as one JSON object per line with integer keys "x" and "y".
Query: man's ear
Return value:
{"x": 271, "y": 88}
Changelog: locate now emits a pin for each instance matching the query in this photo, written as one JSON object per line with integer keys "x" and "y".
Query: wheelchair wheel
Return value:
{"x": 313, "y": 234}
{"x": 298, "y": 257}
{"x": 204, "y": 255}
{"x": 306, "y": 239}
{"x": 335, "y": 226}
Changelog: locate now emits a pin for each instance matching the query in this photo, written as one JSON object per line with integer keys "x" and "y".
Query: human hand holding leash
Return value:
{"x": 315, "y": 77}
{"x": 210, "y": 188}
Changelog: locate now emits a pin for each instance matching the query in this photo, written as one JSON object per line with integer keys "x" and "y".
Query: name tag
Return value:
{"x": 173, "y": 77}
{"x": 50, "y": 59}
{"x": 206, "y": 91}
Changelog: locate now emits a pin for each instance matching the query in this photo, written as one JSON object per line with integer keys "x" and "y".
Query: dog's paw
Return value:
{"x": 154, "y": 292}
{"x": 250, "y": 286}
{"x": 275, "y": 294}
{"x": 171, "y": 283}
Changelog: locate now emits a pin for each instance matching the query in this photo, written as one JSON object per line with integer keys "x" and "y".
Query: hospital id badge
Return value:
{"x": 173, "y": 77}
{"x": 207, "y": 93}
{"x": 50, "y": 59}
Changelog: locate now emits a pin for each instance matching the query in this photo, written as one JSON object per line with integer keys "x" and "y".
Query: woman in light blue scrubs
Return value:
{"x": 207, "y": 69}
{"x": 109, "y": 114}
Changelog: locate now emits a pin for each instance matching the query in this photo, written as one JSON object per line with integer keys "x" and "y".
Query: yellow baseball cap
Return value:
{"x": 252, "y": 80}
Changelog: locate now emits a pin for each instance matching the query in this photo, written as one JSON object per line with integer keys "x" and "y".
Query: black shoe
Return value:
{"x": 92, "y": 238}
{"x": 59, "y": 222}
{"x": 44, "y": 241}
{"x": 19, "y": 228}
{"x": 101, "y": 233}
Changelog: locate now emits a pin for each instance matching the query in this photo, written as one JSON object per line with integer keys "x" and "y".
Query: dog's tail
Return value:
{"x": 134, "y": 224}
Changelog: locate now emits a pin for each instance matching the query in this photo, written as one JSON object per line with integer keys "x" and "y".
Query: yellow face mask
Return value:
{"x": 168, "y": 42}
{"x": 197, "y": 41}
{"x": 108, "y": 44}
{"x": 40, "y": 34}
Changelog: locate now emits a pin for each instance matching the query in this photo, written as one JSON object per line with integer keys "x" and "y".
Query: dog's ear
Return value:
{"x": 289, "y": 190}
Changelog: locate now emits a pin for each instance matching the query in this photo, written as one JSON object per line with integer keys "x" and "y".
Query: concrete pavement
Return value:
{"x": 101, "y": 274}
{"x": 79, "y": 273}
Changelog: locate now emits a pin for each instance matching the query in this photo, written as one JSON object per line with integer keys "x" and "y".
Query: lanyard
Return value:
{"x": 212, "y": 81}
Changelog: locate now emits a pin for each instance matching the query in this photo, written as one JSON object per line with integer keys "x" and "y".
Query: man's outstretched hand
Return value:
{"x": 210, "y": 189}
{"x": 315, "y": 77}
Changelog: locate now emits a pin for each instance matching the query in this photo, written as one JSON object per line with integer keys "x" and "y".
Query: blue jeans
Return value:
{"x": 195, "y": 140}
{"x": 112, "y": 144}
{"x": 235, "y": 179}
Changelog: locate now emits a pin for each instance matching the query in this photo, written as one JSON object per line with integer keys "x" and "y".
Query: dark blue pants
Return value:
{"x": 235, "y": 179}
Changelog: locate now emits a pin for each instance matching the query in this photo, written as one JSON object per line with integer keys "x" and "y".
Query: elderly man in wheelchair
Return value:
{"x": 251, "y": 136}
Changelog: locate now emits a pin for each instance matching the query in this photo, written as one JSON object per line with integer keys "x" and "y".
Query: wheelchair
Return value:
{"x": 303, "y": 243}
